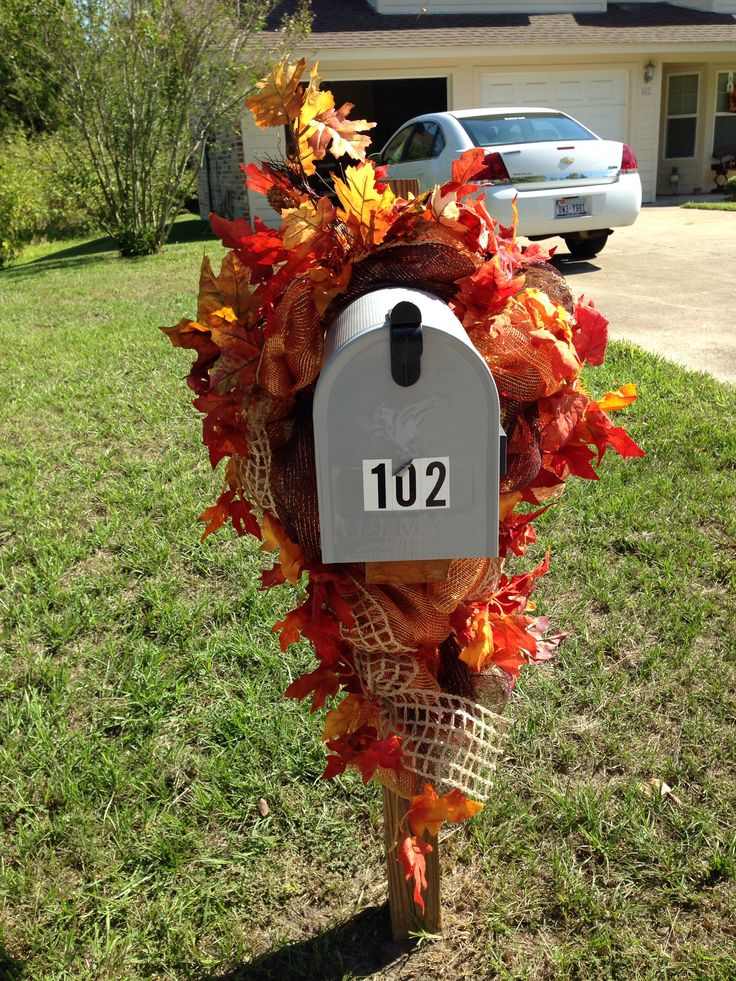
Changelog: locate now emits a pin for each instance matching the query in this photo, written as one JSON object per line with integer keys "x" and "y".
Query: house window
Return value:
{"x": 724, "y": 133}
{"x": 682, "y": 116}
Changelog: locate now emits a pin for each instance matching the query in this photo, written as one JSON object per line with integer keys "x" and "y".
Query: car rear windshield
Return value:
{"x": 528, "y": 127}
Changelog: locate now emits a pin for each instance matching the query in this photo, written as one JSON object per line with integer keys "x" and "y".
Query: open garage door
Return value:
{"x": 390, "y": 101}
{"x": 387, "y": 101}
{"x": 598, "y": 98}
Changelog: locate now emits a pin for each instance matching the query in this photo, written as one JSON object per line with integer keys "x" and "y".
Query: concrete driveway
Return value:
{"x": 668, "y": 284}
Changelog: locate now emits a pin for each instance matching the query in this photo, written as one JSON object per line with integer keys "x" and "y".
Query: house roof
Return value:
{"x": 355, "y": 23}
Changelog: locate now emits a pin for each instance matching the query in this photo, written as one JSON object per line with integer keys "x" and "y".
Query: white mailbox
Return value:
{"x": 408, "y": 442}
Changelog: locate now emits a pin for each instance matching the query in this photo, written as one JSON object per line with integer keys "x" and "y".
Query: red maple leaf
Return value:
{"x": 513, "y": 592}
{"x": 363, "y": 750}
{"x": 590, "y": 334}
{"x": 573, "y": 459}
{"x": 223, "y": 427}
{"x": 320, "y": 684}
{"x": 516, "y": 533}
{"x": 230, "y": 505}
{"x": 513, "y": 646}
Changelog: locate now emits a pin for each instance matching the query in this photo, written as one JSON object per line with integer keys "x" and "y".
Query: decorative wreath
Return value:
{"x": 422, "y": 672}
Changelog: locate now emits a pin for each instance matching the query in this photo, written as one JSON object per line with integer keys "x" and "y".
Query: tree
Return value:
{"x": 29, "y": 93}
{"x": 145, "y": 84}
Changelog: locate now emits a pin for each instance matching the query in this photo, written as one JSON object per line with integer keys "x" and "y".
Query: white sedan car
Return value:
{"x": 569, "y": 181}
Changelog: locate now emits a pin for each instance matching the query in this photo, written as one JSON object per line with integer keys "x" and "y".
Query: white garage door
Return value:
{"x": 597, "y": 98}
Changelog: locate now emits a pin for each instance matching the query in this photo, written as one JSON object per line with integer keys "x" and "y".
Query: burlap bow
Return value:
{"x": 449, "y": 741}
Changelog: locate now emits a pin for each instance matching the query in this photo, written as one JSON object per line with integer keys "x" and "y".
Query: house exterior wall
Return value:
{"x": 530, "y": 6}
{"x": 465, "y": 79}
{"x": 220, "y": 184}
{"x": 489, "y": 6}
{"x": 465, "y": 70}
{"x": 695, "y": 172}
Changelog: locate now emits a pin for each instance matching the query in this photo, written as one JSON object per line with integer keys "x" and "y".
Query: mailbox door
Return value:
{"x": 412, "y": 472}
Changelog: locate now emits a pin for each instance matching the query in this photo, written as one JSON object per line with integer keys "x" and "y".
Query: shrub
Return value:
{"x": 730, "y": 188}
{"x": 22, "y": 198}
{"x": 41, "y": 195}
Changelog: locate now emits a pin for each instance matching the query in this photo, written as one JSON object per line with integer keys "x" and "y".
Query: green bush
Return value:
{"x": 41, "y": 196}
{"x": 22, "y": 196}
{"x": 730, "y": 188}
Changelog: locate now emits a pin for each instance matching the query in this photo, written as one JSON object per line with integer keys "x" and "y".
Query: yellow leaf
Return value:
{"x": 619, "y": 399}
{"x": 366, "y": 212}
{"x": 480, "y": 649}
{"x": 352, "y": 713}
{"x": 301, "y": 225}
{"x": 507, "y": 504}
{"x": 225, "y": 313}
{"x": 280, "y": 96}
{"x": 315, "y": 102}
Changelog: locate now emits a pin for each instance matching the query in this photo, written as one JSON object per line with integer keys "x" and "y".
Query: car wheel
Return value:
{"x": 588, "y": 247}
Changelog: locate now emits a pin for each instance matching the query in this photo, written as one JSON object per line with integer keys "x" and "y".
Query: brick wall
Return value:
{"x": 220, "y": 172}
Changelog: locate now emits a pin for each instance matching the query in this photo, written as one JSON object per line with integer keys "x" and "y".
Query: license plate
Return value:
{"x": 570, "y": 207}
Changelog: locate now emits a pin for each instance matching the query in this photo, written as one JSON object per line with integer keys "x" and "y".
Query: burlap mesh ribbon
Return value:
{"x": 447, "y": 740}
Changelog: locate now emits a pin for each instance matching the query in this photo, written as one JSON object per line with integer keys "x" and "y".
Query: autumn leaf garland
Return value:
{"x": 321, "y": 241}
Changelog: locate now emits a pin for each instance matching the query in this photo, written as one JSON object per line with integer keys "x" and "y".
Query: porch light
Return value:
{"x": 649, "y": 70}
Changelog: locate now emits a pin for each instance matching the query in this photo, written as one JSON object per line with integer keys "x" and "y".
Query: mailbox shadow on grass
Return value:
{"x": 357, "y": 948}
{"x": 10, "y": 968}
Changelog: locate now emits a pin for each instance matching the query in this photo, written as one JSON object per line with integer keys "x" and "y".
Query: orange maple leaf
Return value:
{"x": 290, "y": 628}
{"x": 412, "y": 855}
{"x": 353, "y": 712}
{"x": 280, "y": 96}
{"x": 513, "y": 646}
{"x": 619, "y": 399}
{"x": 231, "y": 288}
{"x": 428, "y": 811}
{"x": 291, "y": 557}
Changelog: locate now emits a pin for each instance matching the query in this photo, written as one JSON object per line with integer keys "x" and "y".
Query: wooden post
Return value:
{"x": 406, "y": 917}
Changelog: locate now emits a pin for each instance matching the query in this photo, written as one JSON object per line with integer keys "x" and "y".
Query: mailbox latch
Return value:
{"x": 406, "y": 343}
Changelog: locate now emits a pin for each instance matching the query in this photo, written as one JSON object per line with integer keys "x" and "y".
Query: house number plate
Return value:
{"x": 421, "y": 484}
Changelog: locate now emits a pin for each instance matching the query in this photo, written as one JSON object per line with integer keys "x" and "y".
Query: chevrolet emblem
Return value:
{"x": 567, "y": 161}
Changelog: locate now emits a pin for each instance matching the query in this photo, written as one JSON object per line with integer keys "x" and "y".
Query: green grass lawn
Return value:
{"x": 141, "y": 719}
{"x": 710, "y": 205}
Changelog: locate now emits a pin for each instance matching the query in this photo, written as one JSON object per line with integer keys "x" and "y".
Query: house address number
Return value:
{"x": 419, "y": 485}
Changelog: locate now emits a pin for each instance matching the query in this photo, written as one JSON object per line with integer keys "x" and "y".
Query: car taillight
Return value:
{"x": 494, "y": 170}
{"x": 628, "y": 160}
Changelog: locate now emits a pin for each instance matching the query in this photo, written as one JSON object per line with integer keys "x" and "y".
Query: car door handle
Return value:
{"x": 507, "y": 153}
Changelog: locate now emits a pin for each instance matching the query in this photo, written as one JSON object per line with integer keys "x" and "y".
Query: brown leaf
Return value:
{"x": 231, "y": 288}
{"x": 263, "y": 809}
